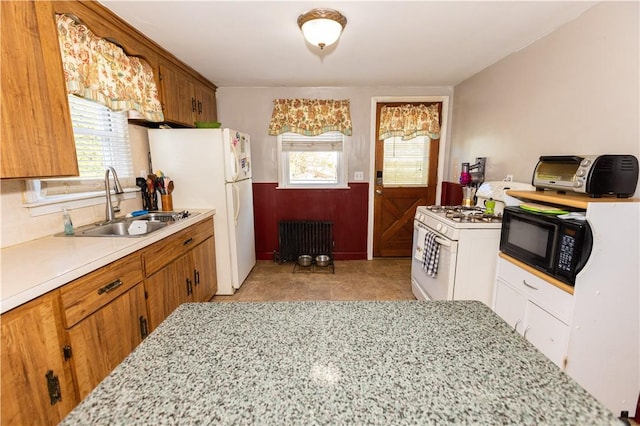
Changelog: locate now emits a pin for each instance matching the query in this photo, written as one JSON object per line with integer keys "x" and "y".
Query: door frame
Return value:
{"x": 442, "y": 151}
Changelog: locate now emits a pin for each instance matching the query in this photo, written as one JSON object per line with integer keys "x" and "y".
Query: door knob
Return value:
{"x": 379, "y": 191}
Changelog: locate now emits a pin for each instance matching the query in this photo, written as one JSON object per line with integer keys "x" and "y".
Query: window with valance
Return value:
{"x": 409, "y": 121}
{"x": 311, "y": 140}
{"x": 99, "y": 70}
{"x": 310, "y": 117}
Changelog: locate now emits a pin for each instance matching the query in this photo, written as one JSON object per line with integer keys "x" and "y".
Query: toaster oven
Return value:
{"x": 595, "y": 175}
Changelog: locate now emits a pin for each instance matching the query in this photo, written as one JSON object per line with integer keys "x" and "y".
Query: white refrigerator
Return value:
{"x": 211, "y": 168}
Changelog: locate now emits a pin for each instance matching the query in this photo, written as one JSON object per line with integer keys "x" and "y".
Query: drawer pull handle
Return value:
{"x": 112, "y": 286}
{"x": 189, "y": 287}
{"x": 187, "y": 242}
{"x": 529, "y": 285}
{"x": 196, "y": 276}
{"x": 515, "y": 327}
{"x": 144, "y": 328}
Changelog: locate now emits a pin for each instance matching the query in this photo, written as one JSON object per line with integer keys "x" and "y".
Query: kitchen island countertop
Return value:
{"x": 401, "y": 362}
{"x": 31, "y": 269}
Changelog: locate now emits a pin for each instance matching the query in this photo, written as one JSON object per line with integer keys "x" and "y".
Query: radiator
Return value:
{"x": 297, "y": 237}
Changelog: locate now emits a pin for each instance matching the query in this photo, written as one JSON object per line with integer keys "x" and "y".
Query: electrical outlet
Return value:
{"x": 358, "y": 176}
{"x": 509, "y": 178}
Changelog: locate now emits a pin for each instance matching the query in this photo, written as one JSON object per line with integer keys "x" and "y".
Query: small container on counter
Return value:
{"x": 66, "y": 220}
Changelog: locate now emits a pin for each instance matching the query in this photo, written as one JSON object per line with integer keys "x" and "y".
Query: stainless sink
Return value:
{"x": 117, "y": 229}
{"x": 120, "y": 227}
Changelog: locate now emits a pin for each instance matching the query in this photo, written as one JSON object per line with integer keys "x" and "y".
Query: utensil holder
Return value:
{"x": 167, "y": 202}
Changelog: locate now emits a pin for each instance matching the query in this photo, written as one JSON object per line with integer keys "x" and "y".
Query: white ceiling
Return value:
{"x": 385, "y": 43}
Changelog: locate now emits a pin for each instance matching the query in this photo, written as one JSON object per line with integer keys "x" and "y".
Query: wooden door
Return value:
{"x": 32, "y": 342}
{"x": 102, "y": 340}
{"x": 204, "y": 266}
{"x": 169, "y": 288}
{"x": 37, "y": 136}
{"x": 395, "y": 205}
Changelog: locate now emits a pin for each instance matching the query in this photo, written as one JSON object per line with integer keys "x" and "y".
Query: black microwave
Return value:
{"x": 558, "y": 247}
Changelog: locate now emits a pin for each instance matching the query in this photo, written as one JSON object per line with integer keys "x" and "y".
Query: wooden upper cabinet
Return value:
{"x": 37, "y": 137}
{"x": 185, "y": 99}
{"x": 205, "y": 103}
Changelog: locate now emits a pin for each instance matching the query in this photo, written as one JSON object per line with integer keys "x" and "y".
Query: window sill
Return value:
{"x": 57, "y": 203}
{"x": 314, "y": 187}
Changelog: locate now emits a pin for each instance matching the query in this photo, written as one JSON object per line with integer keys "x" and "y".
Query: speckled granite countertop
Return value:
{"x": 306, "y": 363}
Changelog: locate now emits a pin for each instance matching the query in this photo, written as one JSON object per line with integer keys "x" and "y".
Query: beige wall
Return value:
{"x": 249, "y": 110}
{"x": 575, "y": 91}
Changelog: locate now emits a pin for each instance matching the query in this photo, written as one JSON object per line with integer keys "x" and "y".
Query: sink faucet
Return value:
{"x": 117, "y": 189}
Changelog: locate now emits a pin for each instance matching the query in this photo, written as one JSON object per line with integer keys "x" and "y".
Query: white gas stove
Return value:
{"x": 449, "y": 220}
{"x": 467, "y": 240}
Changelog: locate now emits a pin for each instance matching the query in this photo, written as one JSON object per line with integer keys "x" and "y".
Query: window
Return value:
{"x": 312, "y": 161}
{"x": 406, "y": 162}
{"x": 102, "y": 139}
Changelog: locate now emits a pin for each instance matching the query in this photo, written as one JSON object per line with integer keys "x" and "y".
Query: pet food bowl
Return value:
{"x": 323, "y": 260}
{"x": 304, "y": 260}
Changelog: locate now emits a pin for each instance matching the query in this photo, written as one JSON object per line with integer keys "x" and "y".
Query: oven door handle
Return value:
{"x": 441, "y": 241}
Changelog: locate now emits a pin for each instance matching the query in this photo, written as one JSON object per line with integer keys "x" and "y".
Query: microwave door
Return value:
{"x": 529, "y": 239}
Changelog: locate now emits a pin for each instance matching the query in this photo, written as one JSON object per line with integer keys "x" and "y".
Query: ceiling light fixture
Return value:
{"x": 322, "y": 27}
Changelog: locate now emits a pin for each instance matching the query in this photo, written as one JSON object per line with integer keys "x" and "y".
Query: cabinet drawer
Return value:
{"x": 163, "y": 252}
{"x": 546, "y": 295}
{"x": 89, "y": 293}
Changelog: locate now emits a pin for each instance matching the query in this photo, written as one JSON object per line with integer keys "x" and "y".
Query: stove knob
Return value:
{"x": 444, "y": 229}
{"x": 439, "y": 227}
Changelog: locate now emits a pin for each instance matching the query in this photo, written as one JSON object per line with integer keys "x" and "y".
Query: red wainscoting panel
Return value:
{"x": 346, "y": 208}
{"x": 451, "y": 194}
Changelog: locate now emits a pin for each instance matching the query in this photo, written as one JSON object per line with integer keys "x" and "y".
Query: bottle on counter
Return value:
{"x": 66, "y": 220}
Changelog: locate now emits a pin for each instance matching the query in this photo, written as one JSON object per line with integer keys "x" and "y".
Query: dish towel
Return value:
{"x": 431, "y": 254}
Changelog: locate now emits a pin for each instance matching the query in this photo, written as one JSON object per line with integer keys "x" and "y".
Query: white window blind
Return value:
{"x": 102, "y": 139}
{"x": 406, "y": 162}
{"x": 312, "y": 161}
{"x": 331, "y": 141}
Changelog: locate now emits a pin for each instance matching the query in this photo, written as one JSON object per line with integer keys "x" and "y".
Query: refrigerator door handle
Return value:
{"x": 236, "y": 203}
{"x": 234, "y": 164}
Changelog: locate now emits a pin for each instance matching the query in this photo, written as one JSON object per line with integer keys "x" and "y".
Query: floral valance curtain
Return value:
{"x": 310, "y": 117}
{"x": 97, "y": 69}
{"x": 409, "y": 121}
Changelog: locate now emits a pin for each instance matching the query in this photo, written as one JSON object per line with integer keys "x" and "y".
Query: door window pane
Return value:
{"x": 406, "y": 162}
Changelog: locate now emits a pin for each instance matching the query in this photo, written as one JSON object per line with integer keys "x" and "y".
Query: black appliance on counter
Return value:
{"x": 558, "y": 247}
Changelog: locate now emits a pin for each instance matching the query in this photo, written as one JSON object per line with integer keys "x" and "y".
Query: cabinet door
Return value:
{"x": 178, "y": 97}
{"x": 32, "y": 341}
{"x": 206, "y": 103}
{"x": 37, "y": 137}
{"x": 169, "y": 288}
{"x": 204, "y": 270}
{"x": 103, "y": 339}
{"x": 510, "y": 305}
{"x": 547, "y": 333}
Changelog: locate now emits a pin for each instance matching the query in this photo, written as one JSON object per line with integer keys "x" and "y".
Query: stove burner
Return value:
{"x": 464, "y": 214}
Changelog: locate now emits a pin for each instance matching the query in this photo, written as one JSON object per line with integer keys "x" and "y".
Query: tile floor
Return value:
{"x": 378, "y": 279}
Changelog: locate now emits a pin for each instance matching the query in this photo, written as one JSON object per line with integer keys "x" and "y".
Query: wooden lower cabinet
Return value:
{"x": 103, "y": 339}
{"x": 58, "y": 347}
{"x": 189, "y": 278}
{"x": 204, "y": 267}
{"x": 169, "y": 288}
{"x": 37, "y": 384}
